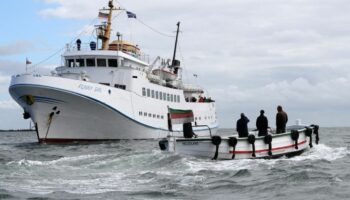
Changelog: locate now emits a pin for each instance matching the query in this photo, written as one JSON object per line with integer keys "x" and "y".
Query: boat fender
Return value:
{"x": 163, "y": 145}
{"x": 232, "y": 141}
{"x": 26, "y": 115}
{"x": 251, "y": 140}
{"x": 308, "y": 133}
{"x": 295, "y": 137}
{"x": 268, "y": 140}
{"x": 316, "y": 127}
{"x": 216, "y": 140}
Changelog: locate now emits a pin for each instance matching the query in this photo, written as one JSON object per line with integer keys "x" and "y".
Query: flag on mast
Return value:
{"x": 130, "y": 14}
{"x": 103, "y": 15}
{"x": 28, "y": 62}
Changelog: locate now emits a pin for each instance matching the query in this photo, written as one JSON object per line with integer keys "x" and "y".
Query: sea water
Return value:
{"x": 137, "y": 169}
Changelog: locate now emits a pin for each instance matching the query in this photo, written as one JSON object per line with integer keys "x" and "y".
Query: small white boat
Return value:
{"x": 294, "y": 141}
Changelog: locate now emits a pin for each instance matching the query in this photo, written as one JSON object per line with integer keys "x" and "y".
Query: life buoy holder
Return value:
{"x": 295, "y": 137}
{"x": 268, "y": 140}
{"x": 232, "y": 141}
{"x": 251, "y": 140}
{"x": 216, "y": 140}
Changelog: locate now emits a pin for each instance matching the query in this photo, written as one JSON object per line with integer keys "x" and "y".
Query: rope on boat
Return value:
{"x": 308, "y": 133}
{"x": 216, "y": 140}
{"x": 268, "y": 140}
{"x": 232, "y": 141}
{"x": 251, "y": 140}
{"x": 295, "y": 137}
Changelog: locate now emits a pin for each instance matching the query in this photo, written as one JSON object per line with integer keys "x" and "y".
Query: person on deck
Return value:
{"x": 262, "y": 124}
{"x": 281, "y": 120}
{"x": 242, "y": 126}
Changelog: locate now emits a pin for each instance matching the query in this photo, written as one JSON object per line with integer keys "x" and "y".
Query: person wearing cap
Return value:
{"x": 242, "y": 126}
{"x": 281, "y": 120}
{"x": 262, "y": 124}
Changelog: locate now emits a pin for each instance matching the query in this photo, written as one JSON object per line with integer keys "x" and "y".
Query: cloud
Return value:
{"x": 77, "y": 9}
{"x": 249, "y": 54}
{"x": 8, "y": 105}
{"x": 15, "y": 47}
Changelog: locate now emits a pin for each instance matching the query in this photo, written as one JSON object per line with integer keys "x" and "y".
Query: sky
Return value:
{"x": 248, "y": 54}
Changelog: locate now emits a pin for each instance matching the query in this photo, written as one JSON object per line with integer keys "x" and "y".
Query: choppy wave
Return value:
{"x": 138, "y": 170}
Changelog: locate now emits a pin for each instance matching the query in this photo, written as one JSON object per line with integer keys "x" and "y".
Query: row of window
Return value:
{"x": 92, "y": 62}
{"x": 115, "y": 85}
{"x": 145, "y": 114}
{"x": 205, "y": 118}
{"x": 160, "y": 95}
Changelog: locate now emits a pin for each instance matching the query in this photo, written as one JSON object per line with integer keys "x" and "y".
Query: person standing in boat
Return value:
{"x": 242, "y": 126}
{"x": 281, "y": 120}
{"x": 262, "y": 124}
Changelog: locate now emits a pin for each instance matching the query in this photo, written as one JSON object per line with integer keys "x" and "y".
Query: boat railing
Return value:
{"x": 85, "y": 47}
{"x": 204, "y": 126}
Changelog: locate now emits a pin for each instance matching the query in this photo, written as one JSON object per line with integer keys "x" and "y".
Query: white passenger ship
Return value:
{"x": 109, "y": 92}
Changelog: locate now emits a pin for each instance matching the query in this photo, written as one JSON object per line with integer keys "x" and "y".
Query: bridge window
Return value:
{"x": 160, "y": 95}
{"x": 168, "y": 97}
{"x": 80, "y": 62}
{"x": 143, "y": 91}
{"x": 101, "y": 62}
{"x": 90, "y": 62}
{"x": 164, "y": 96}
{"x": 178, "y": 98}
{"x": 171, "y": 98}
{"x": 148, "y": 92}
{"x": 70, "y": 63}
{"x": 156, "y": 94}
{"x": 112, "y": 62}
{"x": 152, "y": 93}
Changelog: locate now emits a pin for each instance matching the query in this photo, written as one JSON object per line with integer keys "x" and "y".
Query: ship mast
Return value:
{"x": 177, "y": 35}
{"x": 105, "y": 30}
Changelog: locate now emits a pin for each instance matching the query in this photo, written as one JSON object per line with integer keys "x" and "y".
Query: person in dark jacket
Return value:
{"x": 281, "y": 120}
{"x": 262, "y": 124}
{"x": 242, "y": 126}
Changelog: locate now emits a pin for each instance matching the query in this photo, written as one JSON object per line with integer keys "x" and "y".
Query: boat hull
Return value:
{"x": 61, "y": 114}
{"x": 281, "y": 145}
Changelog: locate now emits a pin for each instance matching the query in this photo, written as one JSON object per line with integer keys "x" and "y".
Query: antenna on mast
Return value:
{"x": 177, "y": 35}
{"x": 176, "y": 63}
{"x": 104, "y": 30}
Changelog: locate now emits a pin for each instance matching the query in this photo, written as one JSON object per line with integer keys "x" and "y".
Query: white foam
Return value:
{"x": 57, "y": 161}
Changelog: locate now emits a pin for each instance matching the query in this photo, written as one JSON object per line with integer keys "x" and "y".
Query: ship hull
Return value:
{"x": 62, "y": 111}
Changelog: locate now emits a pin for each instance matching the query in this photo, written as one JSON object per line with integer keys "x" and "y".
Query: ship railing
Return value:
{"x": 86, "y": 47}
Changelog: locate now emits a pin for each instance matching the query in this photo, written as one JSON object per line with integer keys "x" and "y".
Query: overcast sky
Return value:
{"x": 248, "y": 54}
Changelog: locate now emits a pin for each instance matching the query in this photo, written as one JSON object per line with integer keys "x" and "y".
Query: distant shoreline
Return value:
{"x": 17, "y": 130}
